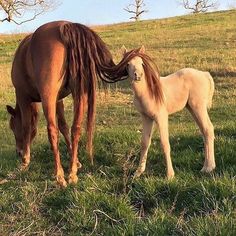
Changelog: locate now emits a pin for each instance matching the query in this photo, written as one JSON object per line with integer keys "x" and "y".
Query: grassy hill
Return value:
{"x": 106, "y": 201}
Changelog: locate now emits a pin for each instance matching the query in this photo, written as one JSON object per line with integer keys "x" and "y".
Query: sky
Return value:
{"x": 99, "y": 12}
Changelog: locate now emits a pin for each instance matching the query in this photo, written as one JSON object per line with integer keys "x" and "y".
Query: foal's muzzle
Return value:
{"x": 137, "y": 78}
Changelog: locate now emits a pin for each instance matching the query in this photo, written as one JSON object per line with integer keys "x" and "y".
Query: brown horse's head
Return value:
{"x": 16, "y": 127}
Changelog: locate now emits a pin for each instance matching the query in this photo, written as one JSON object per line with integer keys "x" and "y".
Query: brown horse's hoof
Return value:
{"x": 79, "y": 165}
{"x": 24, "y": 167}
{"x": 73, "y": 179}
{"x": 61, "y": 181}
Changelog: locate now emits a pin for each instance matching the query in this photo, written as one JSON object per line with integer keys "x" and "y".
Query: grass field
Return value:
{"x": 106, "y": 201}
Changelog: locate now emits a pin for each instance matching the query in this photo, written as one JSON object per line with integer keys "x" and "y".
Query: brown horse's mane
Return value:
{"x": 151, "y": 72}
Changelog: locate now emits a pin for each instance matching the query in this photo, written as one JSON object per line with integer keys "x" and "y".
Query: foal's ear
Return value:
{"x": 142, "y": 49}
{"x": 11, "y": 110}
{"x": 123, "y": 50}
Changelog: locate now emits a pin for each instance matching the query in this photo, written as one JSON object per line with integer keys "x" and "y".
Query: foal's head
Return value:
{"x": 141, "y": 67}
{"x": 135, "y": 63}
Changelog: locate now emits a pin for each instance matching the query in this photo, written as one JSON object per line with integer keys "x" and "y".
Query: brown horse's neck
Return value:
{"x": 17, "y": 108}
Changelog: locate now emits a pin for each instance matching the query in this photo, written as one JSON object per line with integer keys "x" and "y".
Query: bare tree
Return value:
{"x": 21, "y": 11}
{"x": 232, "y": 5}
{"x": 198, "y": 6}
{"x": 136, "y": 9}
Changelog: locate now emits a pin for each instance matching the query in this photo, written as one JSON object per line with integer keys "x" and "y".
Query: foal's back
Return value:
{"x": 187, "y": 86}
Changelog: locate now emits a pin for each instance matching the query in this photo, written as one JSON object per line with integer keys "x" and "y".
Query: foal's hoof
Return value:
{"x": 61, "y": 181}
{"x": 73, "y": 179}
{"x": 137, "y": 174}
{"x": 170, "y": 177}
{"x": 207, "y": 169}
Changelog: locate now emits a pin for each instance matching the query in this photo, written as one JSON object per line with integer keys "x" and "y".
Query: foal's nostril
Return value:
{"x": 137, "y": 76}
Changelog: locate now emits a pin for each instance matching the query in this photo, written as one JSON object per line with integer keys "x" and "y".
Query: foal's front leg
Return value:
{"x": 162, "y": 121}
{"x": 145, "y": 143}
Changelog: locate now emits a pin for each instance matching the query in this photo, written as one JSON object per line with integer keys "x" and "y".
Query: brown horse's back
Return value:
{"x": 39, "y": 60}
{"x": 48, "y": 55}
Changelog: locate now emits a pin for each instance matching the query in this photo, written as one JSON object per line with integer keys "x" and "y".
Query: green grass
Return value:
{"x": 106, "y": 201}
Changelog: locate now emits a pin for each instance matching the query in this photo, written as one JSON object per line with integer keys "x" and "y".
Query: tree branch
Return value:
{"x": 136, "y": 9}
{"x": 198, "y": 6}
{"x": 16, "y": 10}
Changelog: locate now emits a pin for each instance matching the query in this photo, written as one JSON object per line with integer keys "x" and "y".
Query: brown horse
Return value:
{"x": 59, "y": 58}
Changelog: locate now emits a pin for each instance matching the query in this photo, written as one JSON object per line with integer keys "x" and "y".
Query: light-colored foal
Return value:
{"x": 188, "y": 88}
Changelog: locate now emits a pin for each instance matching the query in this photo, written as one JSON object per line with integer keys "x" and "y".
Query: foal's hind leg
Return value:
{"x": 75, "y": 136}
{"x": 201, "y": 117}
{"x": 145, "y": 143}
{"x": 62, "y": 125}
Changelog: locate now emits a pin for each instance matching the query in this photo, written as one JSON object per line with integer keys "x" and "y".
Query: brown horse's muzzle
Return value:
{"x": 19, "y": 153}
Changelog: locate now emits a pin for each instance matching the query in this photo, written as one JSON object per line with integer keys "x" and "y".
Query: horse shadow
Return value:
{"x": 187, "y": 154}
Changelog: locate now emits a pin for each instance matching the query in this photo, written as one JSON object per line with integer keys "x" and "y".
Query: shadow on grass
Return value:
{"x": 187, "y": 154}
{"x": 226, "y": 132}
{"x": 113, "y": 153}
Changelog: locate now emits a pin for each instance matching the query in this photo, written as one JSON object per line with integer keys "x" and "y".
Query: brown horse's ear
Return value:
{"x": 11, "y": 110}
{"x": 142, "y": 49}
{"x": 123, "y": 50}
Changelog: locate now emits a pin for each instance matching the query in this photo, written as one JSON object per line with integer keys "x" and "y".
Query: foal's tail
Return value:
{"x": 211, "y": 89}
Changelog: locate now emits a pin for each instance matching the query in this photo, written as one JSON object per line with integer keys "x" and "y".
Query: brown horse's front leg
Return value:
{"x": 62, "y": 125}
{"x": 26, "y": 114}
{"x": 75, "y": 136}
{"x": 49, "y": 107}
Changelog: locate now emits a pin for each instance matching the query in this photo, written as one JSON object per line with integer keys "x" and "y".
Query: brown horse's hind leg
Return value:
{"x": 62, "y": 125}
{"x": 201, "y": 117}
{"x": 79, "y": 110}
{"x": 49, "y": 108}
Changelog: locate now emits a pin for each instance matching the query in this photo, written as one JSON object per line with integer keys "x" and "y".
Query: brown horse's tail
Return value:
{"x": 82, "y": 58}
